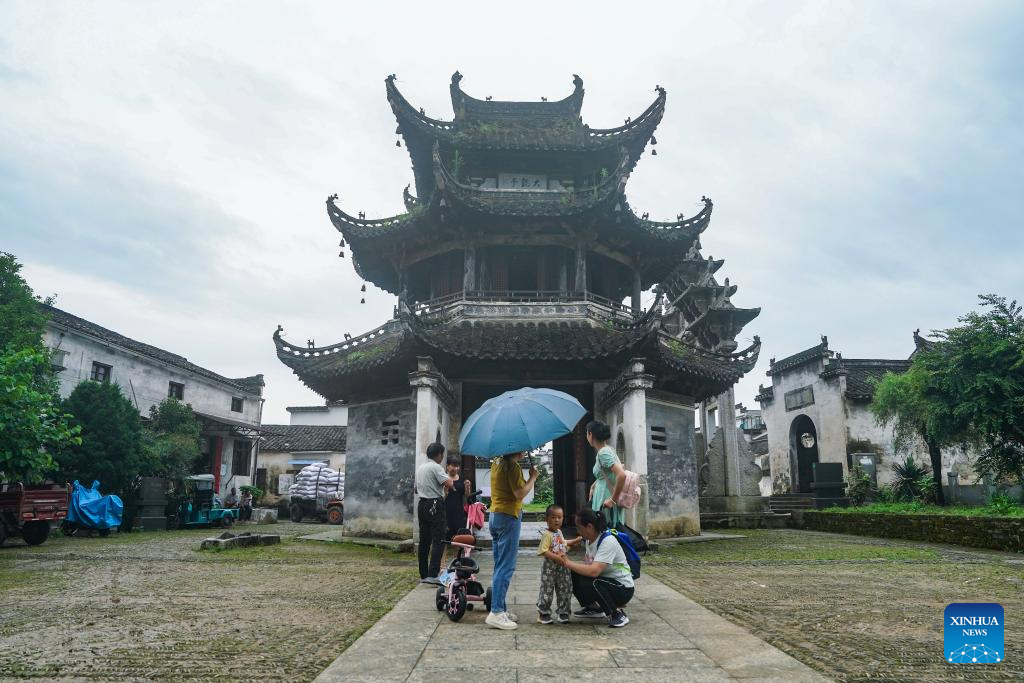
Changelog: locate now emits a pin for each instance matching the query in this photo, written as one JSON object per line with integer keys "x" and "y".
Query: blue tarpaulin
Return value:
{"x": 92, "y": 509}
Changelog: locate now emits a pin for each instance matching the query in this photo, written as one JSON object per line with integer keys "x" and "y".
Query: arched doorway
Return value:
{"x": 803, "y": 452}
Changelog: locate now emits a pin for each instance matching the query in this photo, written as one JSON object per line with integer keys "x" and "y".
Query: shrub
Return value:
{"x": 858, "y": 485}
{"x": 912, "y": 481}
{"x": 1002, "y": 504}
{"x": 256, "y": 492}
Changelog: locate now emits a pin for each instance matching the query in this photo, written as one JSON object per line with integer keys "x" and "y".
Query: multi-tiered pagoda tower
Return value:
{"x": 511, "y": 264}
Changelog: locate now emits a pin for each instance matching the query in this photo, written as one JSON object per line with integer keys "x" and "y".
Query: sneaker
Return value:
{"x": 432, "y": 580}
{"x": 618, "y": 620}
{"x": 512, "y": 617}
{"x": 544, "y": 619}
{"x": 500, "y": 620}
{"x": 563, "y": 618}
{"x": 590, "y": 613}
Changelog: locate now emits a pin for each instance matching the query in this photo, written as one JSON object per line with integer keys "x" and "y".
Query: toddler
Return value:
{"x": 554, "y": 578}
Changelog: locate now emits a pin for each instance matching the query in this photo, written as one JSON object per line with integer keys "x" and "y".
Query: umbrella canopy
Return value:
{"x": 519, "y": 421}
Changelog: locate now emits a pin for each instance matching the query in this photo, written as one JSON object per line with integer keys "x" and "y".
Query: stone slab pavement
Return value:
{"x": 669, "y": 638}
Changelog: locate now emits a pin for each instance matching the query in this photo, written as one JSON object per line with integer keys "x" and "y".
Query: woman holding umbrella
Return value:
{"x": 508, "y": 489}
{"x": 509, "y": 425}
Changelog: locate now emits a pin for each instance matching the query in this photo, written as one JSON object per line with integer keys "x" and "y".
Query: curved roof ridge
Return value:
{"x": 462, "y": 103}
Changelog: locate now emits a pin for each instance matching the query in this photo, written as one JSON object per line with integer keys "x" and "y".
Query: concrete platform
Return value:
{"x": 669, "y": 638}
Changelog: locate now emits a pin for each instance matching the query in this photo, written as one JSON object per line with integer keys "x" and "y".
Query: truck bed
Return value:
{"x": 25, "y": 503}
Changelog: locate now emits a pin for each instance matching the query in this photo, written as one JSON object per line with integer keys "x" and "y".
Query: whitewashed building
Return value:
{"x": 314, "y": 434}
{"x": 817, "y": 409}
{"x": 229, "y": 408}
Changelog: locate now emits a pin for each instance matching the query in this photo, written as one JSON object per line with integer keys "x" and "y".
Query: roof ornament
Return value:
{"x": 310, "y": 344}
{"x": 347, "y": 336}
{"x": 628, "y": 119}
{"x": 543, "y": 99}
{"x": 489, "y": 98}
{"x": 824, "y": 341}
{"x": 577, "y": 82}
{"x": 456, "y": 77}
{"x": 362, "y": 215}
{"x": 280, "y": 329}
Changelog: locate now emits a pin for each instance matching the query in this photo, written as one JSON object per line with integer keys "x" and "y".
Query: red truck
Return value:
{"x": 28, "y": 511}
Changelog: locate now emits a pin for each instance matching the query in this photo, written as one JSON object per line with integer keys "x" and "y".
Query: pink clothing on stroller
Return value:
{"x": 475, "y": 516}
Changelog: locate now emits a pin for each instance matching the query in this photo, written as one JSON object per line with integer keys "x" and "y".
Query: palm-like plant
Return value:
{"x": 911, "y": 481}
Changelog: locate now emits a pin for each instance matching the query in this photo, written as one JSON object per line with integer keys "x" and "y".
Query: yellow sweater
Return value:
{"x": 506, "y": 477}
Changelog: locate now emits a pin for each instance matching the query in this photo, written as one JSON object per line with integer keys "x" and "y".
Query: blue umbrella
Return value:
{"x": 518, "y": 421}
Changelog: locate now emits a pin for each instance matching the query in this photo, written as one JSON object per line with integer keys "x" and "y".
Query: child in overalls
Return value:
{"x": 554, "y": 578}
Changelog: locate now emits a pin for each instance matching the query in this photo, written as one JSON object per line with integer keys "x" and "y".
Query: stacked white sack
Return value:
{"x": 318, "y": 481}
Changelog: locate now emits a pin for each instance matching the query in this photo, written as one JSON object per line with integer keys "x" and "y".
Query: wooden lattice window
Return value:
{"x": 388, "y": 432}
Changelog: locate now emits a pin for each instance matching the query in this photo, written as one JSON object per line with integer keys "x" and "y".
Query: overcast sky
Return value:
{"x": 164, "y": 166}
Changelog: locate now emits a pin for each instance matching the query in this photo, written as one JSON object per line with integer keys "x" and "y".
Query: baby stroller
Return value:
{"x": 462, "y": 588}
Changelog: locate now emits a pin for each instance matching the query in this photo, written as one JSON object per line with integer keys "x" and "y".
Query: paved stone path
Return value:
{"x": 669, "y": 638}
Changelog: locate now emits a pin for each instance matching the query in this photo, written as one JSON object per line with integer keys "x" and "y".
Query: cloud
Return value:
{"x": 863, "y": 157}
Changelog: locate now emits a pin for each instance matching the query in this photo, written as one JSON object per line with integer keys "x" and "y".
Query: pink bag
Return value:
{"x": 630, "y": 495}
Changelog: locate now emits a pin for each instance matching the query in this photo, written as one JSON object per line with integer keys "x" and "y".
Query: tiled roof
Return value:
{"x": 249, "y": 385}
{"x": 861, "y": 373}
{"x": 298, "y": 438}
{"x": 765, "y": 394}
{"x": 717, "y": 366}
{"x": 814, "y": 353}
{"x": 529, "y": 340}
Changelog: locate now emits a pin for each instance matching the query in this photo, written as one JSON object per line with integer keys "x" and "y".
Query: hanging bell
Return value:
{"x": 341, "y": 254}
{"x": 398, "y": 130}
{"x": 342, "y": 242}
{"x": 654, "y": 140}
{"x": 362, "y": 301}
{"x": 654, "y": 152}
{"x": 398, "y": 143}
{"x": 363, "y": 288}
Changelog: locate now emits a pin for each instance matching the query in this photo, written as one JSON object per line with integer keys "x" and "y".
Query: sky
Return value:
{"x": 164, "y": 166}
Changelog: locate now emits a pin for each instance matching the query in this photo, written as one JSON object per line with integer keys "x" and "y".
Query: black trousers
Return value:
{"x": 431, "y": 515}
{"x": 608, "y": 593}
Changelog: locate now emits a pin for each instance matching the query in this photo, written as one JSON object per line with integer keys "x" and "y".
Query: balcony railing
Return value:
{"x": 441, "y": 304}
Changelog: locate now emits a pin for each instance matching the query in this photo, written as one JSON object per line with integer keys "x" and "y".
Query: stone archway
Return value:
{"x": 803, "y": 452}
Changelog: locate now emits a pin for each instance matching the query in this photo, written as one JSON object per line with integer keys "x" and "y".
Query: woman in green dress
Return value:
{"x": 609, "y": 475}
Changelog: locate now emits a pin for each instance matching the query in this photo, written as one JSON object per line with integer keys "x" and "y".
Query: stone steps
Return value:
{"x": 744, "y": 520}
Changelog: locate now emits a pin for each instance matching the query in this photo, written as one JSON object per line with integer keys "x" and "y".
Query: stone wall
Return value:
{"x": 379, "y": 476}
{"x": 996, "y": 533}
{"x": 671, "y": 470}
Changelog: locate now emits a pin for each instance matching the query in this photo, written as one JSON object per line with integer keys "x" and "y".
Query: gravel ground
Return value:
{"x": 143, "y": 607}
{"x": 854, "y": 608}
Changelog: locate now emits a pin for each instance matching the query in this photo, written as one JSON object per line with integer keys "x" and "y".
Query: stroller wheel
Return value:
{"x": 487, "y": 598}
{"x": 457, "y": 605}
{"x": 440, "y": 599}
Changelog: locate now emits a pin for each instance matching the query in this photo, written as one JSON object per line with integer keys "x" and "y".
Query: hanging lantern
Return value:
{"x": 363, "y": 288}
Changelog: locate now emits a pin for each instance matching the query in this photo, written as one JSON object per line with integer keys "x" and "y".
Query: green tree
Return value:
{"x": 111, "y": 448}
{"x": 171, "y": 440}
{"x": 22, "y": 320}
{"x": 965, "y": 389}
{"x": 979, "y": 367}
{"x": 32, "y": 424}
{"x": 908, "y": 401}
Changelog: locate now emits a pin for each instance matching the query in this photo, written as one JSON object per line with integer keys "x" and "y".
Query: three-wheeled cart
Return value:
{"x": 29, "y": 511}
{"x": 198, "y": 509}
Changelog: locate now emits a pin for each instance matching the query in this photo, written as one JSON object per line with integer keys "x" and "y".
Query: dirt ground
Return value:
{"x": 854, "y": 608}
{"x": 144, "y": 607}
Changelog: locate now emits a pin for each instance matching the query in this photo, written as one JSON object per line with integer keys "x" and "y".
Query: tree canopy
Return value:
{"x": 32, "y": 422}
{"x": 966, "y": 388}
{"x": 111, "y": 449}
{"x": 171, "y": 440}
{"x": 23, "y": 320}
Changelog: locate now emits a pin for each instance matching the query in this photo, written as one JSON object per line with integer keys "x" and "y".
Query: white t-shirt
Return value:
{"x": 614, "y": 558}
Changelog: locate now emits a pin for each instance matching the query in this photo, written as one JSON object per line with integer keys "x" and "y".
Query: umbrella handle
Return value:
{"x": 529, "y": 456}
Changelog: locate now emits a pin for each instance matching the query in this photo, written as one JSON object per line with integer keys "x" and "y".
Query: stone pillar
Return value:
{"x": 635, "y": 299}
{"x": 435, "y": 402}
{"x": 581, "y": 267}
{"x": 469, "y": 268}
{"x": 733, "y": 466}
